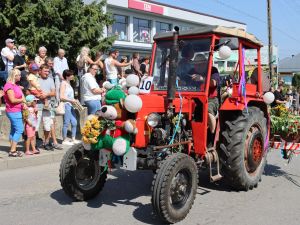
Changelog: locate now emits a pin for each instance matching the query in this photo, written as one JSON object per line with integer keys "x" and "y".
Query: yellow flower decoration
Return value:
{"x": 91, "y": 130}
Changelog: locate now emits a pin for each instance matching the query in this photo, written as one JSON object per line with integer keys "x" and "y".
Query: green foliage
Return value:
{"x": 296, "y": 80}
{"x": 68, "y": 24}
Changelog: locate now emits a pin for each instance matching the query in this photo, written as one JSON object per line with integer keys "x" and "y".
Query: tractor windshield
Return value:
{"x": 191, "y": 68}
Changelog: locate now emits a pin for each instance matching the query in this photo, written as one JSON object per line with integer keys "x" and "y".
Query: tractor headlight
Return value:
{"x": 153, "y": 119}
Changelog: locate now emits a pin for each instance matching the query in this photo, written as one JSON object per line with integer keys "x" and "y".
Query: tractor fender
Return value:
{"x": 233, "y": 104}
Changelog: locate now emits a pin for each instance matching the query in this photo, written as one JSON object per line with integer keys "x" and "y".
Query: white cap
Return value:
{"x": 9, "y": 40}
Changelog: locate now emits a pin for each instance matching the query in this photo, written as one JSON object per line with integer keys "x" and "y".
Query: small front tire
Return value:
{"x": 81, "y": 177}
{"x": 174, "y": 187}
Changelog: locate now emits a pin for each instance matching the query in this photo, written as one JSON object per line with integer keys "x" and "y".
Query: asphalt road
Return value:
{"x": 33, "y": 195}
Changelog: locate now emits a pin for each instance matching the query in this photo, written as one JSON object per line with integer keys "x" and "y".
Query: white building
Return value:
{"x": 137, "y": 21}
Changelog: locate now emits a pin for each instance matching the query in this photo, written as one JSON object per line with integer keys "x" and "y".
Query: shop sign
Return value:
{"x": 145, "y": 6}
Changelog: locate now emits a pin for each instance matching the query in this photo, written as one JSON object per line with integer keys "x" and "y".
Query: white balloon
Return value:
{"x": 133, "y": 91}
{"x": 107, "y": 85}
{"x": 224, "y": 52}
{"x": 269, "y": 97}
{"x": 132, "y": 80}
{"x": 133, "y": 103}
{"x": 119, "y": 146}
{"x": 122, "y": 82}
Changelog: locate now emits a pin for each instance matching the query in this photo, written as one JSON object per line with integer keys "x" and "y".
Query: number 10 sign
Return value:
{"x": 145, "y": 85}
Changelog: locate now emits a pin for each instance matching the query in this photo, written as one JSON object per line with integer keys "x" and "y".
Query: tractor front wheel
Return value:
{"x": 174, "y": 187}
{"x": 242, "y": 149}
{"x": 81, "y": 177}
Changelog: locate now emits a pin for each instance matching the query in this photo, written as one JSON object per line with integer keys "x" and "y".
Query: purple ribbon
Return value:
{"x": 242, "y": 84}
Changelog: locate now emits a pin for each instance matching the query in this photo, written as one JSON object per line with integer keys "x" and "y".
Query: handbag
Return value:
{"x": 60, "y": 109}
{"x": 78, "y": 106}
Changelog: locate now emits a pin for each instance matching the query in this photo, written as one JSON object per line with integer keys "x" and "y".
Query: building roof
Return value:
{"x": 229, "y": 31}
{"x": 289, "y": 64}
{"x": 192, "y": 11}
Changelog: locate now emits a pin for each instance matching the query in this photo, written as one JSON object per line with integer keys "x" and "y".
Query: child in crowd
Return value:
{"x": 30, "y": 124}
{"x": 34, "y": 86}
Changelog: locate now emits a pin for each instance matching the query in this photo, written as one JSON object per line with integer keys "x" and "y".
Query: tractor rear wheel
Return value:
{"x": 174, "y": 187}
{"x": 242, "y": 149}
{"x": 80, "y": 175}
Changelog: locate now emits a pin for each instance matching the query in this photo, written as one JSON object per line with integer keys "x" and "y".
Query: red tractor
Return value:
{"x": 186, "y": 124}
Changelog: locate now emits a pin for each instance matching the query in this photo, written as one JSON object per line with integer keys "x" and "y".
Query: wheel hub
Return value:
{"x": 85, "y": 173}
{"x": 179, "y": 188}
{"x": 254, "y": 150}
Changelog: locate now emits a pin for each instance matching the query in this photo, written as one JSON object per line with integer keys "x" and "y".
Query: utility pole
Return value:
{"x": 270, "y": 39}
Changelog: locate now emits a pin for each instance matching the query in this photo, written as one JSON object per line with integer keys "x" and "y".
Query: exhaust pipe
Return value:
{"x": 172, "y": 67}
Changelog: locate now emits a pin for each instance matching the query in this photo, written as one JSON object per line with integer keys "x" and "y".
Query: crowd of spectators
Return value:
{"x": 289, "y": 97}
{"x": 39, "y": 85}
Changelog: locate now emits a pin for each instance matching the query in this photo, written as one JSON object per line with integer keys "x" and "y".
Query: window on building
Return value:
{"x": 119, "y": 28}
{"x": 185, "y": 28}
{"x": 221, "y": 66}
{"x": 141, "y": 30}
{"x": 163, "y": 27}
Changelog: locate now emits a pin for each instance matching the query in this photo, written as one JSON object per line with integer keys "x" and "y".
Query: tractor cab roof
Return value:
{"x": 225, "y": 31}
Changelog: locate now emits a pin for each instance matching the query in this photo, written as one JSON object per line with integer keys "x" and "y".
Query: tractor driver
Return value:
{"x": 186, "y": 69}
{"x": 189, "y": 74}
{"x": 213, "y": 98}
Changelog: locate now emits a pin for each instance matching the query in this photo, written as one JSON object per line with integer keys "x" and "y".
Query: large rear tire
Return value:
{"x": 81, "y": 177}
{"x": 242, "y": 149}
{"x": 174, "y": 187}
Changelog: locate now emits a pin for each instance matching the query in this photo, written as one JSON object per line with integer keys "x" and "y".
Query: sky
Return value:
{"x": 285, "y": 18}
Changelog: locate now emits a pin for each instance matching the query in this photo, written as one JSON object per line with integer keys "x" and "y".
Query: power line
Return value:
{"x": 293, "y": 8}
{"x": 257, "y": 19}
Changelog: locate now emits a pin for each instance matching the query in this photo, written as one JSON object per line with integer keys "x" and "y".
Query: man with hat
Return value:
{"x": 8, "y": 54}
{"x": 111, "y": 64}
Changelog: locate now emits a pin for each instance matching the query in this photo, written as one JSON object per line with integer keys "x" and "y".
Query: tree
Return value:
{"x": 68, "y": 24}
{"x": 296, "y": 80}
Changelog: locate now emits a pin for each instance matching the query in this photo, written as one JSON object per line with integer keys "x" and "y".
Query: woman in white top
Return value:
{"x": 67, "y": 96}
{"x": 91, "y": 92}
{"x": 111, "y": 64}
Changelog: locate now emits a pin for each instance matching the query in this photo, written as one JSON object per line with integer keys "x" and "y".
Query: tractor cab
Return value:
{"x": 188, "y": 78}
{"x": 202, "y": 51}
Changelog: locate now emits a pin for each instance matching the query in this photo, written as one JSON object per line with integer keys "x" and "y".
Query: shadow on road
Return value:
{"x": 123, "y": 188}
{"x": 61, "y": 197}
{"x": 276, "y": 171}
{"x": 206, "y": 186}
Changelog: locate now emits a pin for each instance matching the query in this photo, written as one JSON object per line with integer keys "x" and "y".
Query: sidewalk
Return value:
{"x": 44, "y": 157}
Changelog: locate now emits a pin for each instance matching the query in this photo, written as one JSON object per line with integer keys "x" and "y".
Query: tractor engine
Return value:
{"x": 158, "y": 137}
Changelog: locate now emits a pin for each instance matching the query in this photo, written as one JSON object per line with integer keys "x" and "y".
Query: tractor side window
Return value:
{"x": 250, "y": 66}
{"x": 251, "y": 70}
{"x": 192, "y": 64}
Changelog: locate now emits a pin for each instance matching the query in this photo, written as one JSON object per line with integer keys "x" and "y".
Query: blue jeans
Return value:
{"x": 113, "y": 81}
{"x": 16, "y": 125}
{"x": 93, "y": 106}
{"x": 69, "y": 117}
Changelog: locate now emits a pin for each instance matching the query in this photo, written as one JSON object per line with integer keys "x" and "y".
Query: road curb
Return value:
{"x": 44, "y": 157}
